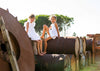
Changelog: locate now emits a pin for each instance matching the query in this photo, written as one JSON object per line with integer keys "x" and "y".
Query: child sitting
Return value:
{"x": 29, "y": 28}
{"x": 52, "y": 31}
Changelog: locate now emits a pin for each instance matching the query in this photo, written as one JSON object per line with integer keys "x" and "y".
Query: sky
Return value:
{"x": 86, "y": 13}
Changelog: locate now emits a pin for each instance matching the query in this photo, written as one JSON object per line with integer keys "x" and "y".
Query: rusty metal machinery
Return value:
{"x": 96, "y": 46}
{"x": 92, "y": 45}
{"x": 16, "y": 52}
{"x": 97, "y": 41}
{"x": 88, "y": 58}
{"x": 89, "y": 51}
{"x": 89, "y": 45}
{"x": 55, "y": 62}
{"x": 69, "y": 45}
{"x": 81, "y": 53}
{"x": 84, "y": 45}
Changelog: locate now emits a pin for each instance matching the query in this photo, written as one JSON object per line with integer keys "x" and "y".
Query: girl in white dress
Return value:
{"x": 52, "y": 31}
{"x": 29, "y": 28}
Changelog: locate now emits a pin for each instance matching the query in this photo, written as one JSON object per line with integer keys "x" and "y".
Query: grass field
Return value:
{"x": 93, "y": 67}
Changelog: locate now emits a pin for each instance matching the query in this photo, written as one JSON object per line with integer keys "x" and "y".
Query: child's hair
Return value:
{"x": 53, "y": 17}
{"x": 32, "y": 16}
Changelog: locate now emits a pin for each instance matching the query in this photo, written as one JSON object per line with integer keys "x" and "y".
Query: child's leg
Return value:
{"x": 38, "y": 47}
{"x": 41, "y": 46}
{"x": 45, "y": 28}
{"x": 45, "y": 48}
{"x": 38, "y": 43}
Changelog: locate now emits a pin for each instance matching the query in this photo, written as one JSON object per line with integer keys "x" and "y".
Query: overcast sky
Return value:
{"x": 86, "y": 13}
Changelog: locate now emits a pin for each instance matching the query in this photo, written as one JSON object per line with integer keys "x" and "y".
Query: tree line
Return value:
{"x": 62, "y": 21}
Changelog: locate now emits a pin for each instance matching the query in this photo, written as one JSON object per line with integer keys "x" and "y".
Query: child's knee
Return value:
{"x": 44, "y": 25}
{"x": 38, "y": 41}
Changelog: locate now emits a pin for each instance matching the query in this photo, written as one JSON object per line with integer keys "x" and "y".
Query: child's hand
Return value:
{"x": 50, "y": 27}
{"x": 58, "y": 36}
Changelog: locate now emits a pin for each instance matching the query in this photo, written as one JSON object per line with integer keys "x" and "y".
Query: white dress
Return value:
{"x": 53, "y": 31}
{"x": 31, "y": 31}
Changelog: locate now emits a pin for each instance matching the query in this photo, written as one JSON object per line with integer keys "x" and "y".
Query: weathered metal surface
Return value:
{"x": 34, "y": 45}
{"x": 96, "y": 46}
{"x": 62, "y": 45}
{"x": 88, "y": 58}
{"x": 26, "y": 58}
{"x": 89, "y": 45}
{"x": 4, "y": 65}
{"x": 55, "y": 62}
{"x": 9, "y": 46}
{"x": 84, "y": 45}
{"x": 97, "y": 41}
{"x": 82, "y": 61}
{"x": 82, "y": 53}
{"x": 77, "y": 64}
{"x": 81, "y": 45}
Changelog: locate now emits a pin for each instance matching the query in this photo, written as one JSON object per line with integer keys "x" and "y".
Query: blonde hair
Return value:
{"x": 53, "y": 17}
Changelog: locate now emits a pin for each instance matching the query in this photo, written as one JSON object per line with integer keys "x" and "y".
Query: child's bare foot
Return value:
{"x": 42, "y": 37}
{"x": 44, "y": 53}
{"x": 41, "y": 54}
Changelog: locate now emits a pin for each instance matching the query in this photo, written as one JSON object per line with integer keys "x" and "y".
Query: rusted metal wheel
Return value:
{"x": 18, "y": 46}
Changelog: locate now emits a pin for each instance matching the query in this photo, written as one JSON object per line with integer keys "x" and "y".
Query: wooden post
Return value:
{"x": 9, "y": 45}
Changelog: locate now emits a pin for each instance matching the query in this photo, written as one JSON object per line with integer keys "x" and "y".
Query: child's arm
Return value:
{"x": 27, "y": 26}
{"x": 50, "y": 27}
{"x": 57, "y": 29}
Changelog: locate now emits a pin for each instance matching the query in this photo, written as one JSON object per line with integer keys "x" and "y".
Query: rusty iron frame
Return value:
{"x": 9, "y": 45}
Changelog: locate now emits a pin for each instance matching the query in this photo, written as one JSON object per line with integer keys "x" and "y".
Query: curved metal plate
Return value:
{"x": 26, "y": 59}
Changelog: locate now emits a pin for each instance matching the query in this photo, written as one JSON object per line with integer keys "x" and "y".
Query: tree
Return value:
{"x": 23, "y": 21}
{"x": 43, "y": 19}
{"x": 40, "y": 21}
{"x": 74, "y": 34}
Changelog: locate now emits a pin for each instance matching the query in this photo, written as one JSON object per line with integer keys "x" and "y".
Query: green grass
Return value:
{"x": 92, "y": 67}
